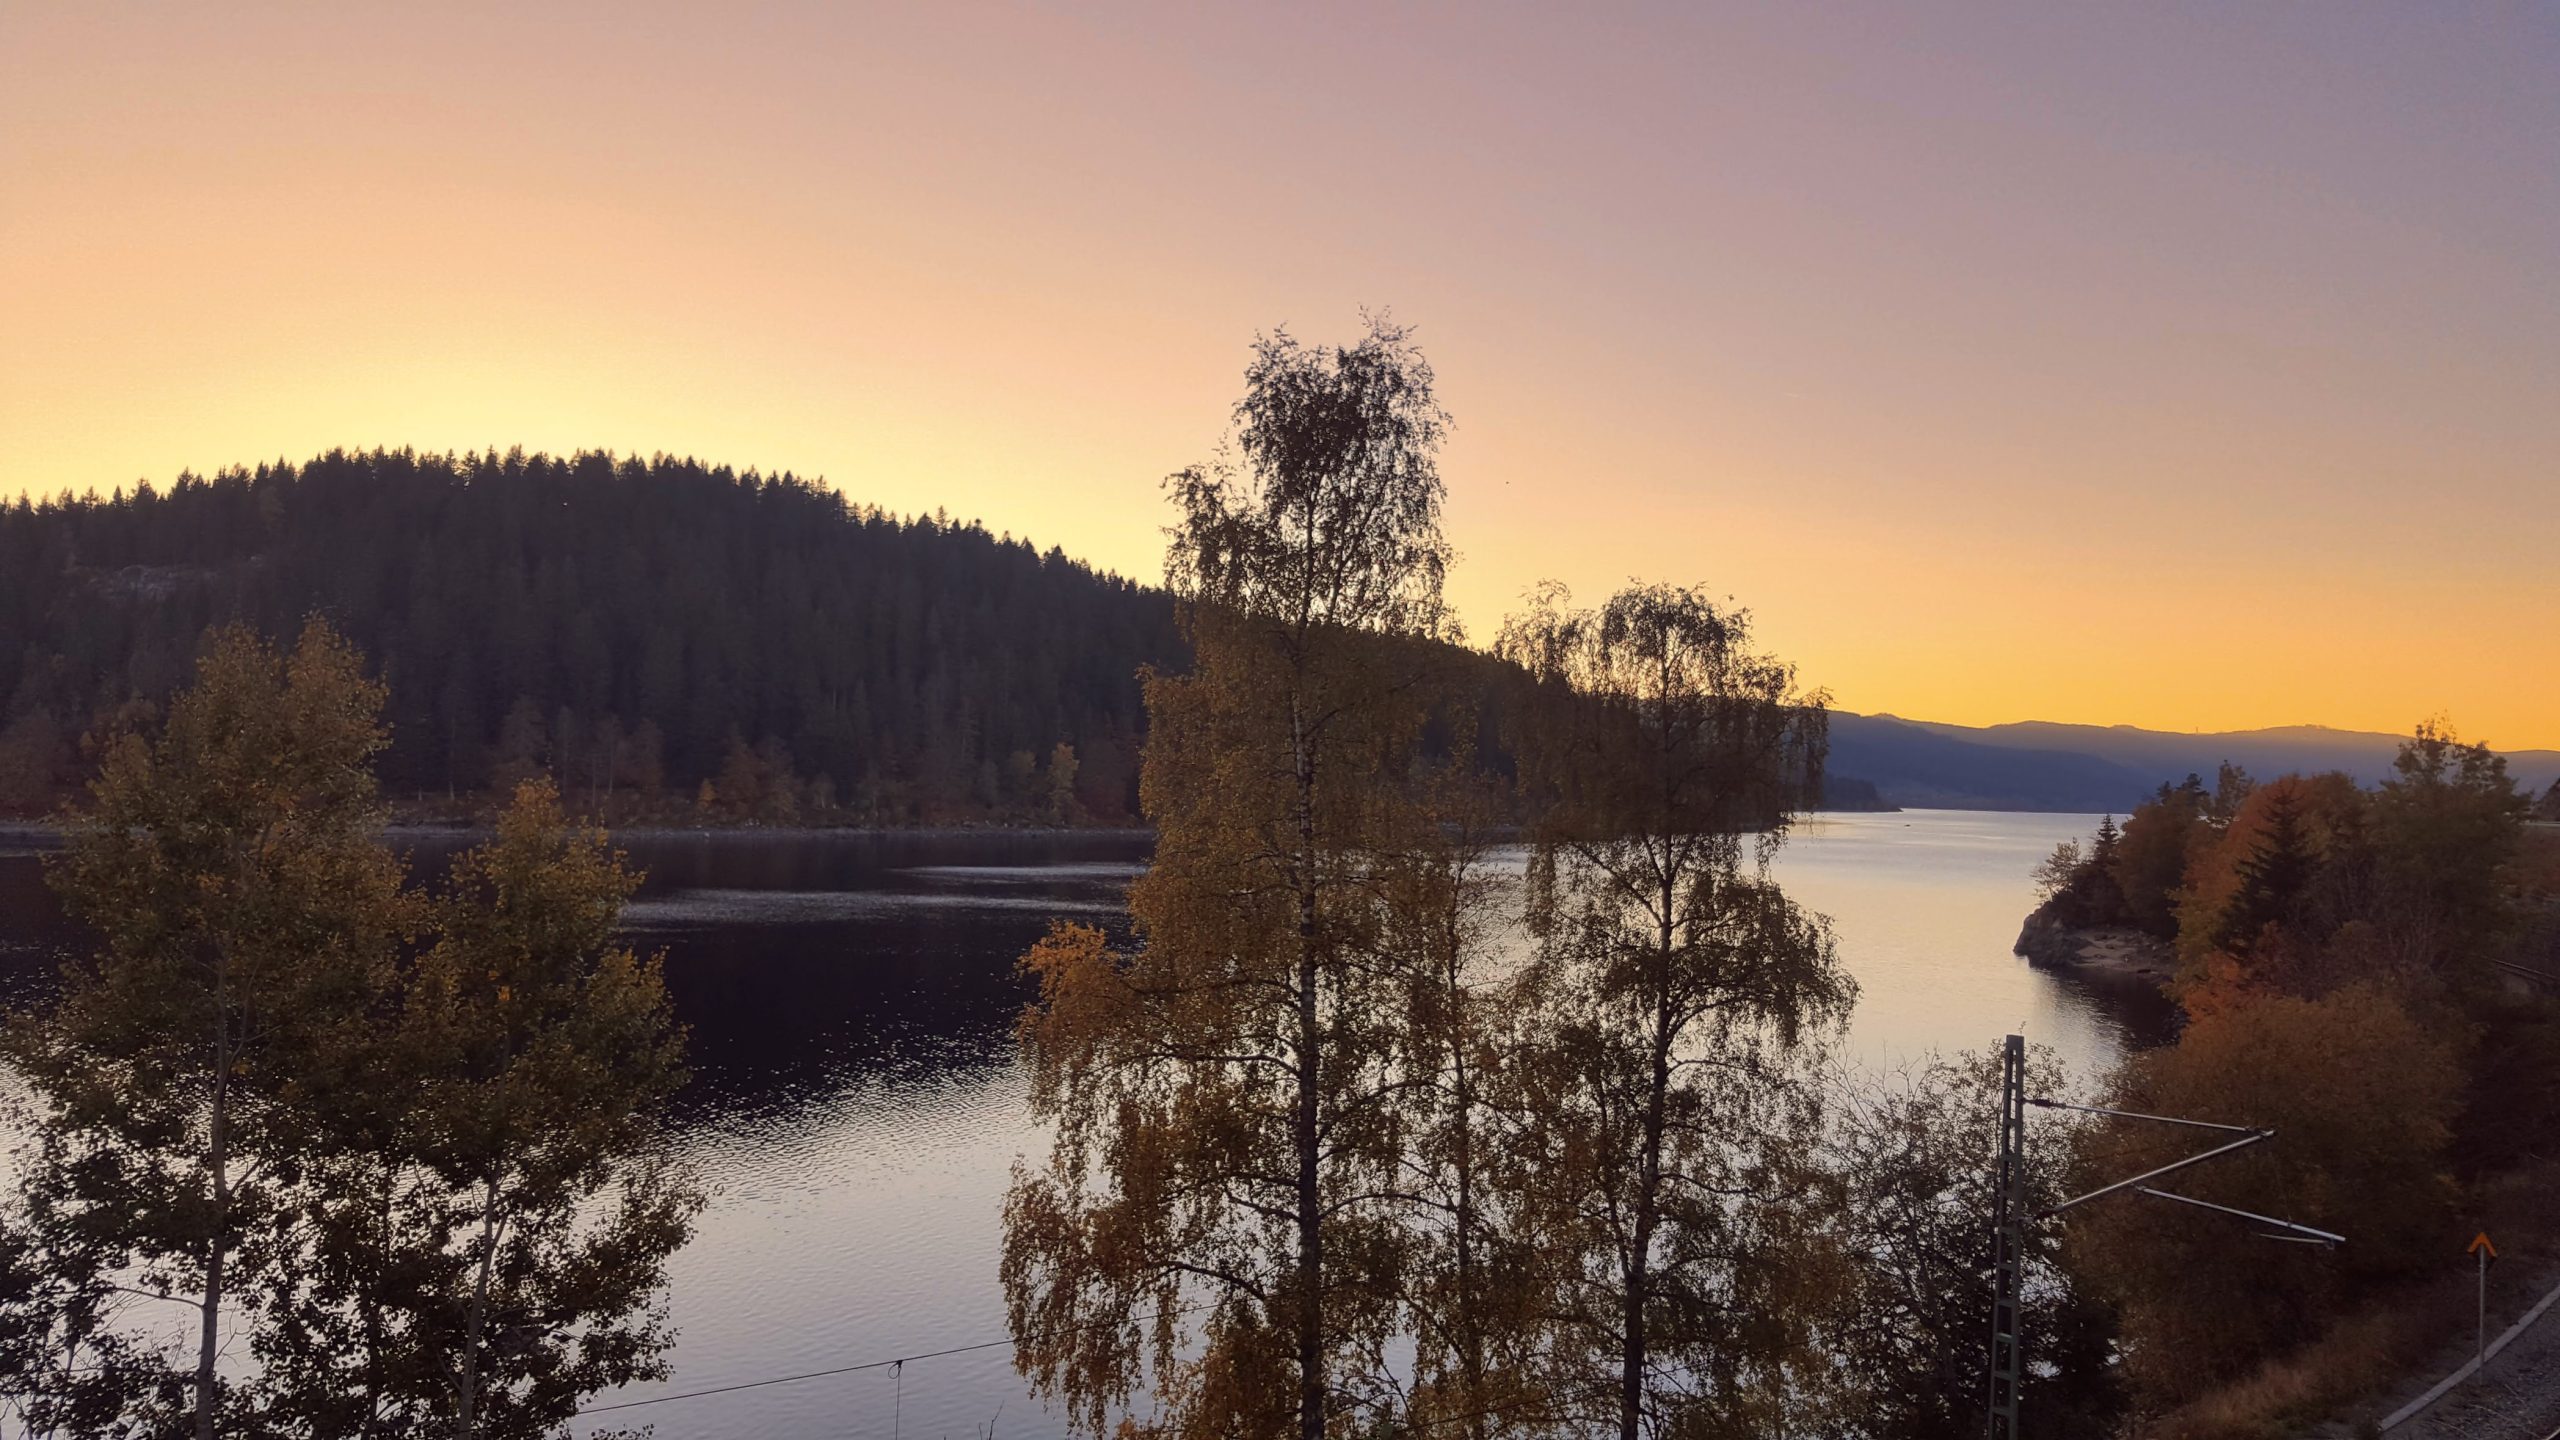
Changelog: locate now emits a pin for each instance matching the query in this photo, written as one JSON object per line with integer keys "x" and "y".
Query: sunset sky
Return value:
{"x": 2183, "y": 366}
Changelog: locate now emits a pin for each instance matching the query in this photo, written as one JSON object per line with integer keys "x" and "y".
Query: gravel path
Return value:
{"x": 2516, "y": 1398}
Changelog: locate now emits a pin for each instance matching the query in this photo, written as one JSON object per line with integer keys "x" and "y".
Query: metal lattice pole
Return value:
{"x": 2009, "y": 1216}
{"x": 2008, "y": 1240}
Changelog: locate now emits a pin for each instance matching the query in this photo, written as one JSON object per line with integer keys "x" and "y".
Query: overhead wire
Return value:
{"x": 897, "y": 1362}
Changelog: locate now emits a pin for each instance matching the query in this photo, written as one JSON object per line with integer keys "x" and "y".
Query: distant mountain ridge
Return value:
{"x": 2046, "y": 765}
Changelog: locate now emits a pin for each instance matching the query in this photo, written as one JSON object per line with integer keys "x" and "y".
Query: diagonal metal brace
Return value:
{"x": 2252, "y": 1138}
{"x": 2303, "y": 1234}
{"x": 2138, "y": 1115}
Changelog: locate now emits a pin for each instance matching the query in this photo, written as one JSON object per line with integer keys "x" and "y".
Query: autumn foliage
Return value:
{"x": 1372, "y": 1129}
{"x": 401, "y": 1144}
{"x": 2346, "y": 963}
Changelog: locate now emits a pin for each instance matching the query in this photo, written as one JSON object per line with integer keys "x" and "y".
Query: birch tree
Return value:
{"x": 248, "y": 921}
{"x": 1217, "y": 1213}
{"x": 545, "y": 1053}
{"x": 1677, "y": 989}
{"x": 1475, "y": 1311}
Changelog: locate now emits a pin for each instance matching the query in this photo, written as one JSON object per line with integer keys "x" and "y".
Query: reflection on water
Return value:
{"x": 1926, "y": 904}
{"x": 857, "y": 1107}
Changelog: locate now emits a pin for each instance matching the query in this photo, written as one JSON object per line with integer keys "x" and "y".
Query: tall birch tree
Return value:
{"x": 1675, "y": 990}
{"x": 1217, "y": 1212}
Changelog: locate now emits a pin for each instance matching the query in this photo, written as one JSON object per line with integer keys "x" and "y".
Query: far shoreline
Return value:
{"x": 54, "y": 830}
{"x": 33, "y": 828}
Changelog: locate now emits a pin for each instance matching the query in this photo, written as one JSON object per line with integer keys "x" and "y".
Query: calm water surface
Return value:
{"x": 857, "y": 1106}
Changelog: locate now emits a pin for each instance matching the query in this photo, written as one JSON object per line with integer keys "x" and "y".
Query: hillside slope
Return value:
{"x": 1918, "y": 765}
{"x": 633, "y": 625}
{"x": 647, "y": 628}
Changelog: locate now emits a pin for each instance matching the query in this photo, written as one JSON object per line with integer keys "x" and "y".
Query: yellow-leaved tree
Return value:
{"x": 1677, "y": 996}
{"x": 1217, "y": 1222}
{"x": 248, "y": 921}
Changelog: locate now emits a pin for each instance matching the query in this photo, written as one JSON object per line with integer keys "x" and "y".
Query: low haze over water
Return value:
{"x": 857, "y": 1106}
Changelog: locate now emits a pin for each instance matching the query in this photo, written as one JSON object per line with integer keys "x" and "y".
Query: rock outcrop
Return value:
{"x": 2114, "y": 949}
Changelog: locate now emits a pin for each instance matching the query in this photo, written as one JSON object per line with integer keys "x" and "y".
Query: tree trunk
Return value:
{"x": 1311, "y": 1367}
{"x": 1469, "y": 1332}
{"x": 373, "y": 1326}
{"x": 217, "y": 1161}
{"x": 467, "y": 1387}
{"x": 1470, "y": 1335}
{"x": 1639, "y": 1270}
{"x": 1639, "y": 1281}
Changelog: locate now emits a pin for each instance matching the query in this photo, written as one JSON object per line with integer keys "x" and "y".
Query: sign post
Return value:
{"x": 2487, "y": 1252}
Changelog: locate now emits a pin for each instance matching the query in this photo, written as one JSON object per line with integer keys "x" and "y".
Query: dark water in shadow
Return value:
{"x": 857, "y": 1105}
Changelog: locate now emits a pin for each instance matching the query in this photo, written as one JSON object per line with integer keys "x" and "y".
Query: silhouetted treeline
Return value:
{"x": 662, "y": 635}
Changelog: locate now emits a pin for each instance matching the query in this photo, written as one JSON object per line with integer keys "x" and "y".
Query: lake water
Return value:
{"x": 857, "y": 1106}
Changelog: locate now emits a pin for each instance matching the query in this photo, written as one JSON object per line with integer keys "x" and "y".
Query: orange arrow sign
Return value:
{"x": 2479, "y": 1243}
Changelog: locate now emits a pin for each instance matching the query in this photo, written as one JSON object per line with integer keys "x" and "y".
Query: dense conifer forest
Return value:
{"x": 666, "y": 637}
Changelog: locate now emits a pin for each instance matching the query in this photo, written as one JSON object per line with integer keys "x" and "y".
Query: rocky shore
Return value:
{"x": 2108, "y": 949}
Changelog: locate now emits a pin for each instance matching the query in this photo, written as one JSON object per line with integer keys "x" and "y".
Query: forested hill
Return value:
{"x": 639, "y": 627}
{"x": 680, "y": 642}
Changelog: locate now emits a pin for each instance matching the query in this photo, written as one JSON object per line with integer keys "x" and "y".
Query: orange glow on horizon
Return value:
{"x": 2187, "y": 372}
